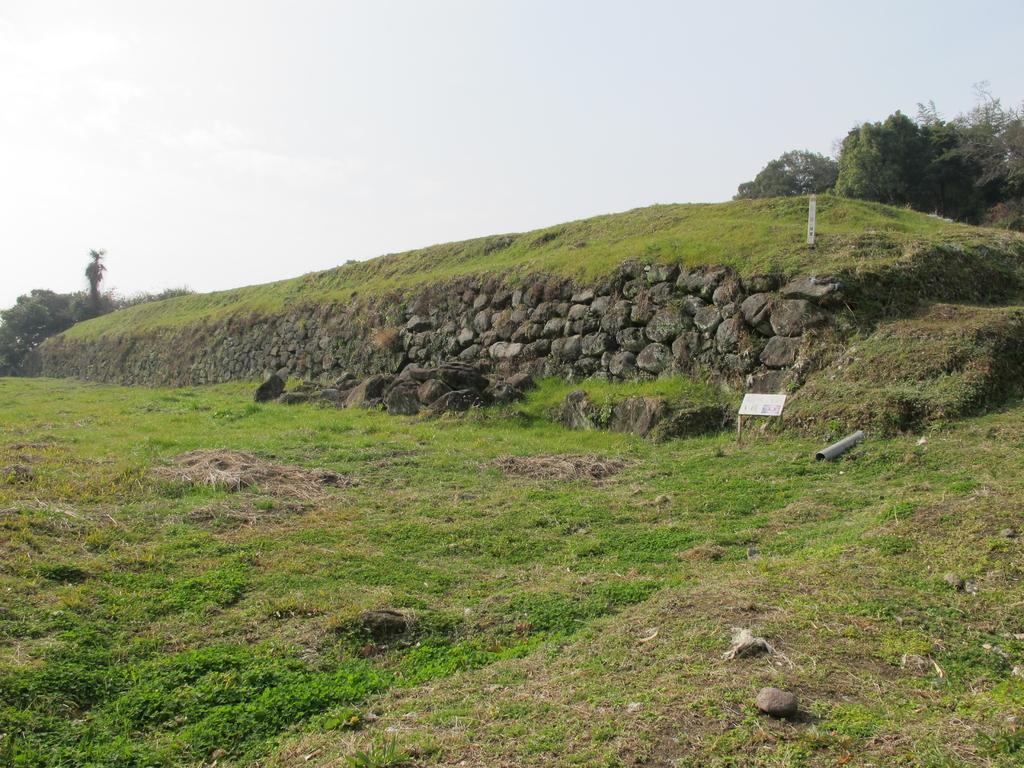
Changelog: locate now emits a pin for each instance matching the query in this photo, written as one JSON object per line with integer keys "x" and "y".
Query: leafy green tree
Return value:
{"x": 950, "y": 184}
{"x": 884, "y": 161}
{"x": 35, "y": 317}
{"x": 793, "y": 173}
{"x": 994, "y": 140}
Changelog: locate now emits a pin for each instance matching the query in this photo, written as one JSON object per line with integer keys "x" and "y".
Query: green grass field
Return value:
{"x": 753, "y": 236}
{"x": 557, "y": 621}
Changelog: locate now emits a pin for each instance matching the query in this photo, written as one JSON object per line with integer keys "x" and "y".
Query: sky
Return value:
{"x": 219, "y": 143}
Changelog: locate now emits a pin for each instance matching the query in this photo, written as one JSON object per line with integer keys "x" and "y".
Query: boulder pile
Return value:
{"x": 452, "y": 387}
{"x": 639, "y": 322}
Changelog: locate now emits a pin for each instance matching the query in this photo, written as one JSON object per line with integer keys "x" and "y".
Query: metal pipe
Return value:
{"x": 836, "y": 450}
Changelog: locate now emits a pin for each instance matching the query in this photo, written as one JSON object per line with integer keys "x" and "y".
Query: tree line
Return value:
{"x": 969, "y": 168}
{"x": 41, "y": 313}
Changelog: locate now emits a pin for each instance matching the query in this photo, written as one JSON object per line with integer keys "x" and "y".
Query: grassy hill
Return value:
{"x": 753, "y": 236}
{"x": 561, "y": 616}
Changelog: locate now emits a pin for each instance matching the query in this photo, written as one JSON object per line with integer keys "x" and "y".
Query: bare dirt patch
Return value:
{"x": 237, "y": 470}
{"x": 560, "y": 467}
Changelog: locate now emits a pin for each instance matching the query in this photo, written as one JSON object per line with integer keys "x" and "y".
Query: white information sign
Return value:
{"x": 812, "y": 216}
{"x": 762, "y": 405}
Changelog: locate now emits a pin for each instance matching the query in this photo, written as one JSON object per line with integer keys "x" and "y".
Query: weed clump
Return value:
{"x": 560, "y": 467}
{"x": 237, "y": 470}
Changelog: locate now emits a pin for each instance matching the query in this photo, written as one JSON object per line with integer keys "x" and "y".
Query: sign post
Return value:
{"x": 812, "y": 215}
{"x": 759, "y": 405}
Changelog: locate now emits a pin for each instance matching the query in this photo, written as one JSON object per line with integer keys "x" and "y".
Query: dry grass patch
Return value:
{"x": 560, "y": 467}
{"x": 237, "y": 470}
{"x": 247, "y": 513}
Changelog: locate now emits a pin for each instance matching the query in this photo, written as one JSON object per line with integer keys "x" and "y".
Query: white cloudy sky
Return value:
{"x": 218, "y": 143}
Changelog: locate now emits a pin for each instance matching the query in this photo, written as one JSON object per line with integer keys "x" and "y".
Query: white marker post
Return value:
{"x": 759, "y": 405}
{"x": 812, "y": 216}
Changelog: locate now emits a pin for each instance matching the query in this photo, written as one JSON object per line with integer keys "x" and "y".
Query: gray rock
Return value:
{"x": 270, "y": 389}
{"x": 600, "y": 305}
{"x": 502, "y": 325}
{"x": 583, "y": 296}
{"x": 667, "y": 324}
{"x": 780, "y": 351}
{"x": 596, "y": 344}
{"x": 369, "y": 392}
{"x": 617, "y": 317}
{"x": 954, "y": 580}
{"x": 586, "y": 367}
{"x": 1008, "y": 533}
{"x": 417, "y": 373}
{"x": 756, "y": 310}
{"x": 820, "y": 290}
{"x": 622, "y": 364}
{"x": 577, "y": 411}
{"x": 528, "y": 332}
{"x": 330, "y": 395}
{"x": 632, "y": 339}
{"x": 502, "y": 392}
{"x": 504, "y": 350}
{"x": 684, "y": 349}
{"x": 429, "y": 391}
{"x": 761, "y": 283}
{"x": 482, "y": 321}
{"x": 661, "y": 273}
{"x": 693, "y": 304}
{"x": 465, "y": 337}
{"x": 707, "y": 319}
{"x": 419, "y": 323}
{"x": 726, "y": 293}
{"x": 403, "y": 400}
{"x": 472, "y": 352}
{"x": 588, "y": 324}
{"x": 632, "y": 288}
{"x": 791, "y": 317}
{"x": 703, "y": 280}
{"x": 522, "y": 381}
{"x": 535, "y": 349}
{"x": 459, "y": 376}
{"x": 456, "y": 401}
{"x": 628, "y": 270}
{"x": 768, "y": 382}
{"x": 638, "y": 415}
{"x": 642, "y": 312}
{"x": 481, "y": 301}
{"x": 578, "y": 312}
{"x": 728, "y": 335}
{"x": 661, "y": 293}
{"x": 654, "y": 358}
{"x": 570, "y": 348}
{"x": 777, "y": 703}
{"x": 544, "y": 312}
{"x": 345, "y": 382}
{"x": 293, "y": 398}
{"x": 553, "y": 327}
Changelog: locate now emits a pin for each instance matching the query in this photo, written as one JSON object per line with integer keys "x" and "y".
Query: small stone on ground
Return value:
{"x": 777, "y": 703}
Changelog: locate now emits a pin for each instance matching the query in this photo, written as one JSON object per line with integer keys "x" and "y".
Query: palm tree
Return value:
{"x": 94, "y": 274}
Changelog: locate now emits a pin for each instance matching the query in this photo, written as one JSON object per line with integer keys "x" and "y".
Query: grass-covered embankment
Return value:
{"x": 751, "y": 236}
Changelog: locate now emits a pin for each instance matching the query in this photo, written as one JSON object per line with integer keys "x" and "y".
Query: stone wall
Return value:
{"x": 642, "y": 321}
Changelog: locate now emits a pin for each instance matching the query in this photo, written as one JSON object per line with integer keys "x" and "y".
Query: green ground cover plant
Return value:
{"x": 146, "y": 622}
